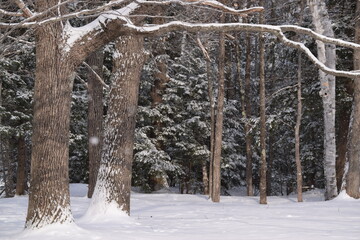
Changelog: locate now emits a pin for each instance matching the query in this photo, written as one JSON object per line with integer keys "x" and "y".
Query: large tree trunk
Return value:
{"x": 353, "y": 174}
{"x": 114, "y": 180}
{"x": 21, "y": 167}
{"x": 49, "y": 200}
{"x": 95, "y": 117}
{"x": 327, "y": 55}
{"x": 219, "y": 122}
{"x": 263, "y": 199}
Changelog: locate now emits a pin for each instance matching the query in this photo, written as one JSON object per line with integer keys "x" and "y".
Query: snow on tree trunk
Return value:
{"x": 49, "y": 200}
{"x": 327, "y": 55}
{"x": 95, "y": 117}
{"x": 353, "y": 173}
{"x": 114, "y": 179}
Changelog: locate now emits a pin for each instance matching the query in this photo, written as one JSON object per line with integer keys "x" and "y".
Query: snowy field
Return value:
{"x": 169, "y": 216}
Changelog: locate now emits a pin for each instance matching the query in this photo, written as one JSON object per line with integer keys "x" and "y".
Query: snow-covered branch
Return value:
{"x": 228, "y": 27}
{"x": 317, "y": 36}
{"x": 208, "y": 3}
{"x": 34, "y": 21}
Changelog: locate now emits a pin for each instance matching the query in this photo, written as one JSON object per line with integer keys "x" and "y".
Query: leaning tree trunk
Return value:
{"x": 95, "y": 117}
{"x": 49, "y": 200}
{"x": 263, "y": 199}
{"x": 327, "y": 55}
{"x": 114, "y": 178}
{"x": 353, "y": 174}
{"x": 219, "y": 122}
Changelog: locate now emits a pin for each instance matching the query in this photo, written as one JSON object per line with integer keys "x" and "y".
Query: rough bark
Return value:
{"x": 219, "y": 122}
{"x": 21, "y": 167}
{"x": 263, "y": 166}
{"x": 95, "y": 117}
{"x": 353, "y": 174}
{"x": 114, "y": 179}
{"x": 49, "y": 200}
{"x": 326, "y": 55}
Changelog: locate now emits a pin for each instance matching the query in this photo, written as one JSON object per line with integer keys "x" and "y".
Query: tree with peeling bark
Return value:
{"x": 327, "y": 55}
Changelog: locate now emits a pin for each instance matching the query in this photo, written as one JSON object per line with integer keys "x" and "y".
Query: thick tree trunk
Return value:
{"x": 95, "y": 117}
{"x": 353, "y": 174}
{"x": 263, "y": 199}
{"x": 219, "y": 122}
{"x": 49, "y": 200}
{"x": 114, "y": 179}
{"x": 21, "y": 167}
{"x": 327, "y": 55}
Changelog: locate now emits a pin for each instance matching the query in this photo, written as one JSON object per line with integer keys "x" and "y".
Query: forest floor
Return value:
{"x": 170, "y": 216}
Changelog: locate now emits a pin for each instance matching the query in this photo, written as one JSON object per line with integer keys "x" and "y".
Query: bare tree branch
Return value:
{"x": 27, "y": 12}
{"x": 96, "y": 75}
{"x": 203, "y": 49}
{"x": 14, "y": 14}
{"x": 209, "y": 3}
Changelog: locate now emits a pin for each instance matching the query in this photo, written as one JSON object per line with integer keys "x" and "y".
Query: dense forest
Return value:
{"x": 218, "y": 100}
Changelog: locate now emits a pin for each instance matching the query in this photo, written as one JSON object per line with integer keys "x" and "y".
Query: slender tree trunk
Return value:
{"x": 262, "y": 114}
{"x": 219, "y": 122}
{"x": 298, "y": 123}
{"x": 212, "y": 119}
{"x": 95, "y": 117}
{"x": 8, "y": 167}
{"x": 205, "y": 178}
{"x": 114, "y": 179}
{"x": 344, "y": 115}
{"x": 21, "y": 168}
{"x": 49, "y": 200}
{"x": 1, "y": 142}
{"x": 247, "y": 116}
{"x": 297, "y": 136}
{"x": 327, "y": 55}
{"x": 353, "y": 174}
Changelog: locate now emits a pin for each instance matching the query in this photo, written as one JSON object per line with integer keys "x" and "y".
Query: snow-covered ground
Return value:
{"x": 168, "y": 216}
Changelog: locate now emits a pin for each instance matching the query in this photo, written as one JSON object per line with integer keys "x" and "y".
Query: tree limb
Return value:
{"x": 13, "y": 14}
{"x": 96, "y": 75}
{"x": 227, "y": 27}
{"x": 27, "y": 12}
{"x": 209, "y": 3}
